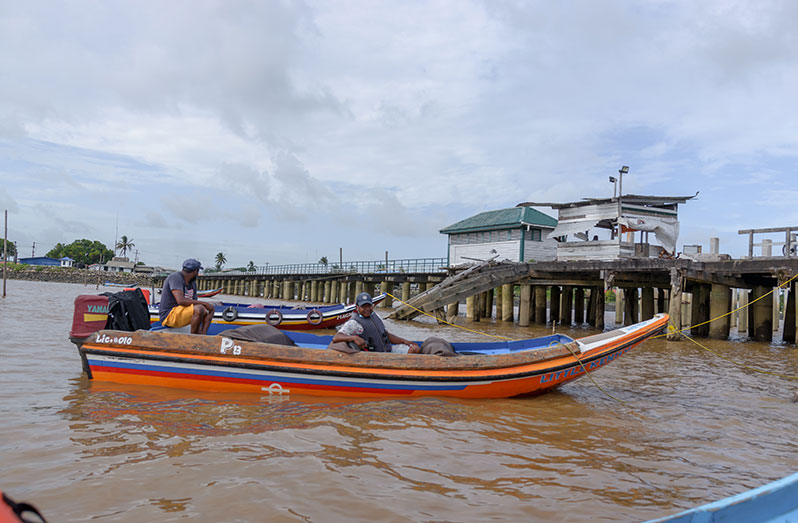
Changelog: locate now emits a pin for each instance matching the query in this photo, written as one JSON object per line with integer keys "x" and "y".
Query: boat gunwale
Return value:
{"x": 299, "y": 358}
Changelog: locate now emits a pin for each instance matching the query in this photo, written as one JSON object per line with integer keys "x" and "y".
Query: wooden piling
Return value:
{"x": 507, "y": 303}
{"x": 488, "y": 301}
{"x": 540, "y": 304}
{"x": 599, "y": 305}
{"x": 579, "y": 305}
{"x": 675, "y": 306}
{"x": 452, "y": 310}
{"x": 631, "y": 311}
{"x": 406, "y": 291}
{"x": 471, "y": 307}
{"x": 387, "y": 287}
{"x": 762, "y": 325}
{"x": 647, "y": 304}
{"x": 554, "y": 305}
{"x": 719, "y": 307}
{"x": 619, "y": 306}
{"x": 566, "y": 305}
{"x": 524, "y": 305}
{"x": 700, "y": 312}
{"x": 788, "y": 334}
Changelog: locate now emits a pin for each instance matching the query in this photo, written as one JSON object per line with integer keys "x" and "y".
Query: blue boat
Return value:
{"x": 775, "y": 502}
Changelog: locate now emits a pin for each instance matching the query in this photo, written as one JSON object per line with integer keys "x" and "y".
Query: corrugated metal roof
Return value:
{"x": 501, "y": 219}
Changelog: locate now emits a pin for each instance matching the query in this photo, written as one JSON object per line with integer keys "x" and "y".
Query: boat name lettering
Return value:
{"x": 228, "y": 344}
{"x": 120, "y": 340}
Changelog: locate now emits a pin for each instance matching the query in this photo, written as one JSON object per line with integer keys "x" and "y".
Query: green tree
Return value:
{"x": 221, "y": 259}
{"x": 323, "y": 260}
{"x": 11, "y": 249}
{"x": 82, "y": 251}
{"x": 251, "y": 266}
{"x": 124, "y": 245}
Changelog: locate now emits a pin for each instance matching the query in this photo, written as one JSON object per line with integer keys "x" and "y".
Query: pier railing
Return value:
{"x": 789, "y": 245}
{"x": 414, "y": 265}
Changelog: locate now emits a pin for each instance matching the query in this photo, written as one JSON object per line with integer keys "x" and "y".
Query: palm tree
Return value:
{"x": 220, "y": 260}
{"x": 323, "y": 260}
{"x": 124, "y": 244}
{"x": 251, "y": 266}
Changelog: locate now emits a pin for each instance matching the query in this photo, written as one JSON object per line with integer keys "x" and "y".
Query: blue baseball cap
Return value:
{"x": 192, "y": 265}
{"x": 363, "y": 298}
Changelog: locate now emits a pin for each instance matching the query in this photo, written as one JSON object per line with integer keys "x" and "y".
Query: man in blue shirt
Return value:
{"x": 179, "y": 304}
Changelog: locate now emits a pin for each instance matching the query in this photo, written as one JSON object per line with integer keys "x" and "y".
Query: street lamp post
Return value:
{"x": 623, "y": 170}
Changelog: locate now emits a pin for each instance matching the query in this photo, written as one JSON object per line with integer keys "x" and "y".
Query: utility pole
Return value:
{"x": 32, "y": 250}
{"x": 5, "y": 252}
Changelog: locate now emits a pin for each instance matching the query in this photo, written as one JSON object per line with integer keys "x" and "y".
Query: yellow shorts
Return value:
{"x": 179, "y": 316}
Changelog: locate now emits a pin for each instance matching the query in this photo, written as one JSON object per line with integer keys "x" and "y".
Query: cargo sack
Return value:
{"x": 260, "y": 333}
{"x": 437, "y": 347}
{"x": 127, "y": 311}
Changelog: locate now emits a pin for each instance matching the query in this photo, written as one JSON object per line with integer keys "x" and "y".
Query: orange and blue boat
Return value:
{"x": 224, "y": 364}
{"x": 233, "y": 315}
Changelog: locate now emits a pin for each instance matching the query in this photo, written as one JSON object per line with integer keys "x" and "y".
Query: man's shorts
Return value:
{"x": 179, "y": 316}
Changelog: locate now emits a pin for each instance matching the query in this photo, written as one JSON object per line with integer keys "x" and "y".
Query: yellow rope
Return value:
{"x": 754, "y": 369}
{"x": 724, "y": 315}
{"x": 446, "y": 322}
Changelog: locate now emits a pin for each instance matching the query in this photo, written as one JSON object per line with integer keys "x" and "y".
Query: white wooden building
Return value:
{"x": 588, "y": 229}
{"x": 517, "y": 234}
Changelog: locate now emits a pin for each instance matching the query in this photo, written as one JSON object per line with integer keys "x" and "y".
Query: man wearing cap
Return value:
{"x": 366, "y": 330}
{"x": 179, "y": 304}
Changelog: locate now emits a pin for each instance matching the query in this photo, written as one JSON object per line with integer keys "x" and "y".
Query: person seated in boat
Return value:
{"x": 366, "y": 330}
{"x": 179, "y": 304}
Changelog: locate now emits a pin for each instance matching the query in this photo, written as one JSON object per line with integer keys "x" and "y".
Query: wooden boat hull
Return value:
{"x": 209, "y": 293}
{"x": 233, "y": 315}
{"x": 218, "y": 363}
{"x": 772, "y": 503}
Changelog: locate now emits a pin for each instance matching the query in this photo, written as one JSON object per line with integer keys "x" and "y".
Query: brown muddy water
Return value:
{"x": 692, "y": 428}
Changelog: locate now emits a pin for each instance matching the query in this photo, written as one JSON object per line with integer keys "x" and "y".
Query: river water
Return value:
{"x": 689, "y": 428}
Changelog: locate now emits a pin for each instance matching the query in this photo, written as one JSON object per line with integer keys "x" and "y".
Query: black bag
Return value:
{"x": 127, "y": 311}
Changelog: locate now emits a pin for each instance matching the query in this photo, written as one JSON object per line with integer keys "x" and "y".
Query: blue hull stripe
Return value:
{"x": 187, "y": 373}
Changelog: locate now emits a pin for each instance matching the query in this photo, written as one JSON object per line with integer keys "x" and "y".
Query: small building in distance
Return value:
{"x": 41, "y": 260}
{"x": 118, "y": 264}
{"x": 517, "y": 234}
{"x": 66, "y": 261}
{"x": 588, "y": 229}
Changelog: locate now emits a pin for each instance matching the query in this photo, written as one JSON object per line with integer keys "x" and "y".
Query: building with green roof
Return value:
{"x": 517, "y": 234}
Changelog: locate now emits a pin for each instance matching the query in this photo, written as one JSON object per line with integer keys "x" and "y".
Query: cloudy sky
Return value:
{"x": 281, "y": 131}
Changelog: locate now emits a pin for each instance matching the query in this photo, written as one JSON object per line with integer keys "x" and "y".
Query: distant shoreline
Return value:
{"x": 73, "y": 275}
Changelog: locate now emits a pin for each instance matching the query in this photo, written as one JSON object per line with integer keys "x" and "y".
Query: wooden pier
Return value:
{"x": 572, "y": 292}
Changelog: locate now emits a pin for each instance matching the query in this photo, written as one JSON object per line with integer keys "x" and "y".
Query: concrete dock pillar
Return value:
{"x": 276, "y": 289}
{"x": 387, "y": 287}
{"x": 631, "y": 312}
{"x": 661, "y": 307}
{"x": 579, "y": 305}
{"x": 554, "y": 306}
{"x": 452, "y": 310}
{"x": 471, "y": 304}
{"x": 524, "y": 305}
{"x": 507, "y": 303}
{"x": 719, "y": 305}
{"x": 762, "y": 324}
{"x": 325, "y": 293}
{"x": 334, "y": 286}
{"x": 700, "y": 312}
{"x": 776, "y": 305}
{"x": 619, "y": 306}
{"x": 343, "y": 292}
{"x": 675, "y": 307}
{"x": 647, "y": 304}
{"x": 358, "y": 288}
{"x": 406, "y": 291}
{"x": 788, "y": 334}
{"x": 492, "y": 296}
{"x": 540, "y": 304}
{"x": 598, "y": 305}
{"x": 314, "y": 291}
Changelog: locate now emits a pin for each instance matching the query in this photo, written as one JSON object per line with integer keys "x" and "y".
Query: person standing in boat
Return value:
{"x": 179, "y": 304}
{"x": 366, "y": 330}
